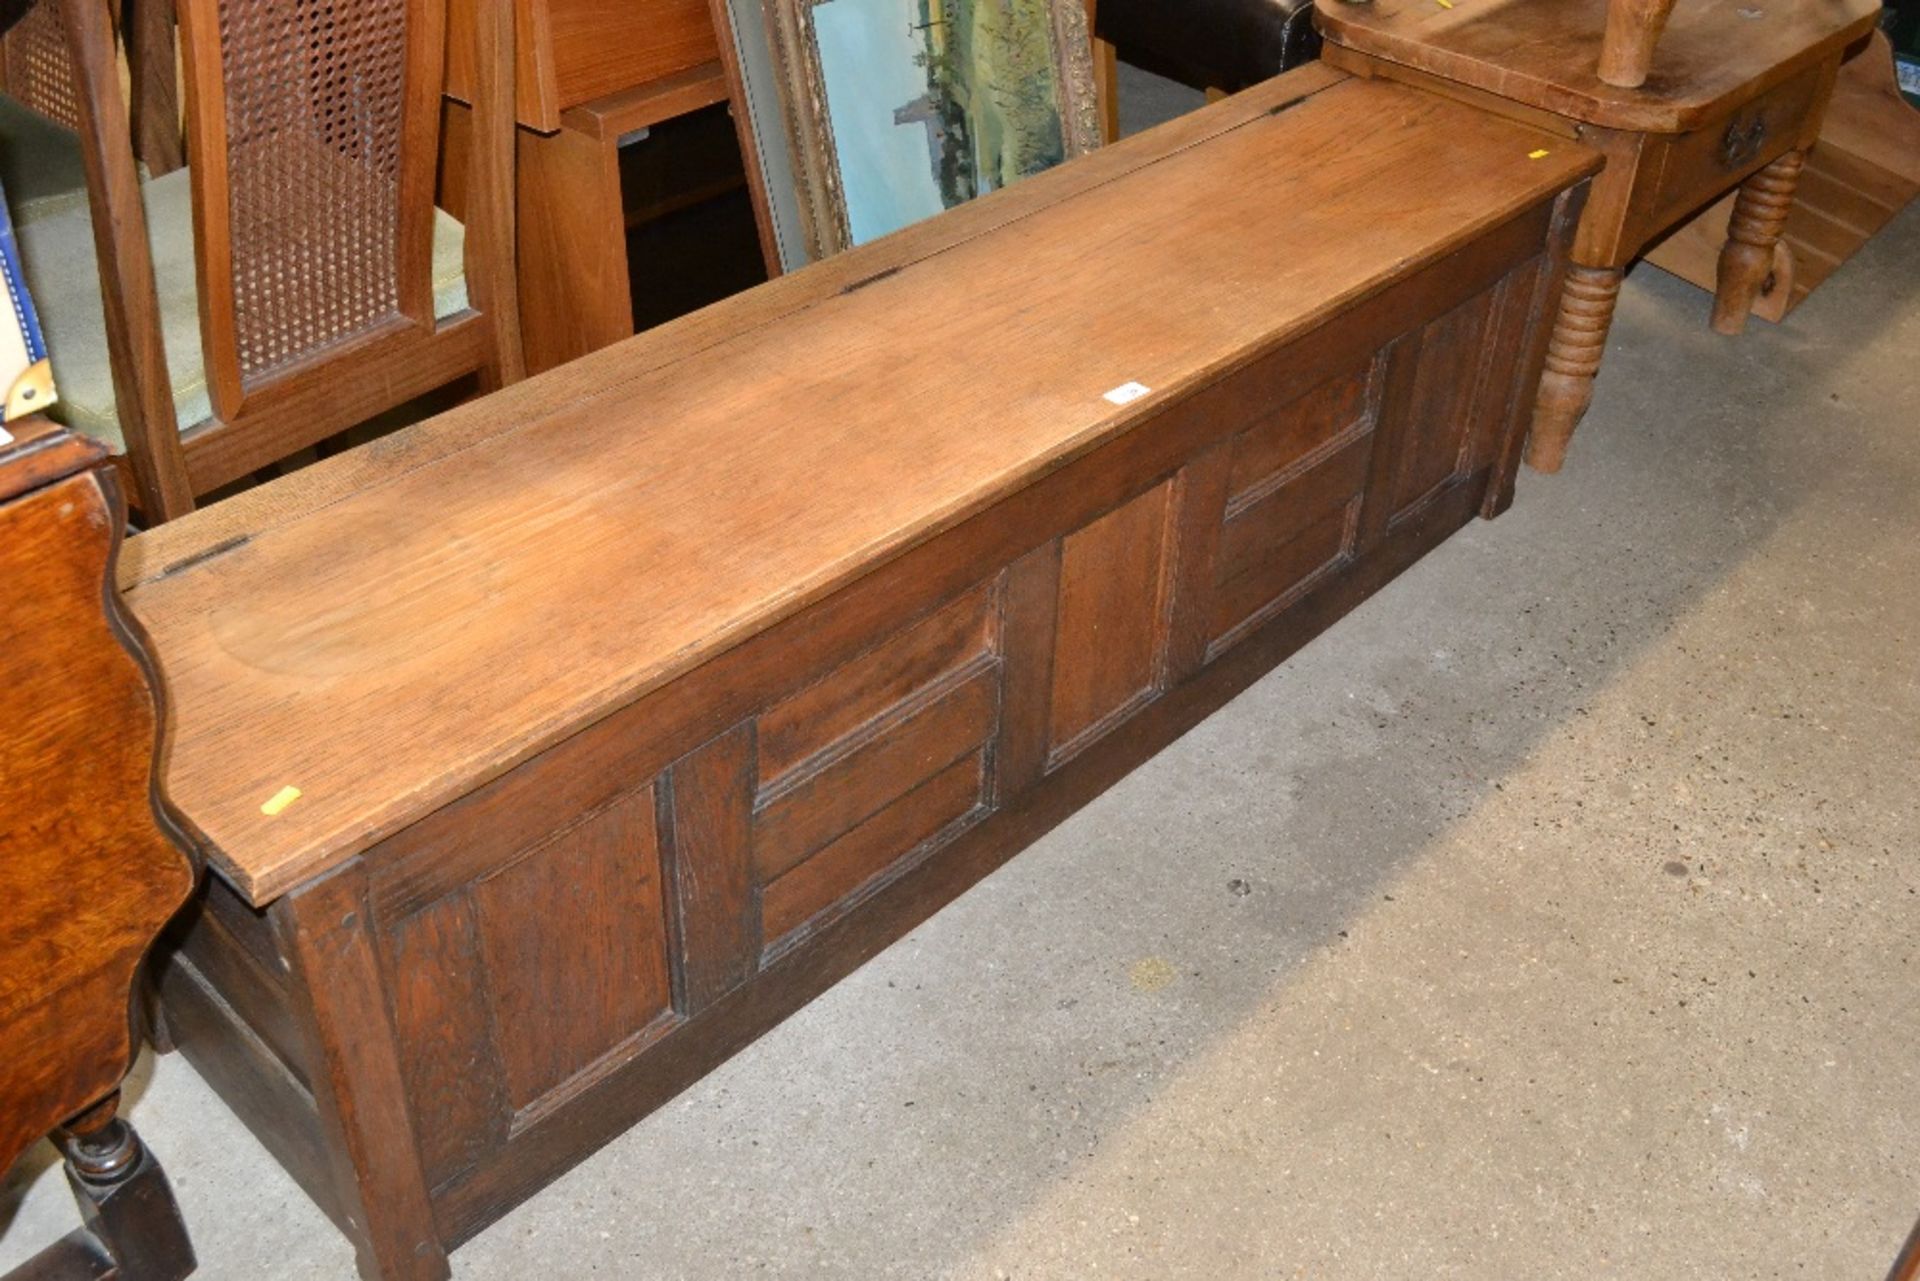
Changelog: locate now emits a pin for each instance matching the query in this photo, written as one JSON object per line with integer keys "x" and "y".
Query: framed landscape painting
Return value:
{"x": 898, "y": 109}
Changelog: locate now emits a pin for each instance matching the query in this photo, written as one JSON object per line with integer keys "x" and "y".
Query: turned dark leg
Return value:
{"x": 131, "y": 1227}
{"x": 1759, "y": 215}
{"x": 1573, "y": 358}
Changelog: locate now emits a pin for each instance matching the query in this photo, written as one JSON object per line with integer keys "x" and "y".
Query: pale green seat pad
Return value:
{"x": 56, "y": 252}
{"x": 40, "y": 164}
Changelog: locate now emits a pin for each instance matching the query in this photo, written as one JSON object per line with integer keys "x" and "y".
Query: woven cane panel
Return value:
{"x": 314, "y": 120}
{"x": 39, "y": 69}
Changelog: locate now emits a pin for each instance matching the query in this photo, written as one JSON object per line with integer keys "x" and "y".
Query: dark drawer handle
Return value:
{"x": 1742, "y": 142}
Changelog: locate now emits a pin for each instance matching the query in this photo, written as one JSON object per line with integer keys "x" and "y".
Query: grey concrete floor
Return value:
{"x": 1553, "y": 915}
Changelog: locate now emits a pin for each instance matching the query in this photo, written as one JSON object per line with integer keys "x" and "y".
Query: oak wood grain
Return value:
{"x": 607, "y": 373}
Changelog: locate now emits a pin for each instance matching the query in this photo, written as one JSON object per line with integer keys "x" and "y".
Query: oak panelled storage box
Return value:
{"x": 633, "y": 706}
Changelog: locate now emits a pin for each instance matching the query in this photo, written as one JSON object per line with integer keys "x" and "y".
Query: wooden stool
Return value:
{"x": 1731, "y": 97}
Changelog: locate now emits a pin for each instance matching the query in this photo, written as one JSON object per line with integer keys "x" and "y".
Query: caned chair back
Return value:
{"x": 37, "y": 68}
{"x": 328, "y": 288}
{"x": 313, "y": 127}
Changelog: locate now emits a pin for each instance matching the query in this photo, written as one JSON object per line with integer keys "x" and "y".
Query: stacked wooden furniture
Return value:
{"x": 592, "y": 74}
{"x": 1686, "y": 106}
{"x": 92, "y": 858}
{"x": 1863, "y": 171}
{"x": 296, "y": 279}
{"x": 552, "y": 750}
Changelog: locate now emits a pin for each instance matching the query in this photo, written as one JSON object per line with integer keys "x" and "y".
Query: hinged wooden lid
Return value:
{"x": 389, "y": 629}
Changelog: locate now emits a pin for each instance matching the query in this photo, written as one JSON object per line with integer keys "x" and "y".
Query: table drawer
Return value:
{"x": 1697, "y": 168}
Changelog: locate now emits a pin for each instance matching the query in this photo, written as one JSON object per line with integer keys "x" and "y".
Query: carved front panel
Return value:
{"x": 1455, "y": 371}
{"x": 510, "y": 993}
{"x": 1293, "y": 501}
{"x": 1110, "y": 629}
{"x": 873, "y": 760}
{"x": 607, "y": 969}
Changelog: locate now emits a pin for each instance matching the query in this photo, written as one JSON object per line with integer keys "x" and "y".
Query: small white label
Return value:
{"x": 1126, "y": 393}
{"x": 6, "y": 437}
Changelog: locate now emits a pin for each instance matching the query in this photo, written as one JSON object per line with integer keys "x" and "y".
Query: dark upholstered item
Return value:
{"x": 1211, "y": 44}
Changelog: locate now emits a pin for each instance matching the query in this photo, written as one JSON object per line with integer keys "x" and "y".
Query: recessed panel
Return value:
{"x": 1455, "y": 353}
{"x": 1292, "y": 432}
{"x": 564, "y": 997}
{"x": 830, "y": 801}
{"x": 854, "y": 694}
{"x": 1270, "y": 548}
{"x": 1112, "y": 624}
{"x": 871, "y": 847}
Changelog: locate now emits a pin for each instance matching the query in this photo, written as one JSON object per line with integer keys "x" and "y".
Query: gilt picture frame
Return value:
{"x": 897, "y": 109}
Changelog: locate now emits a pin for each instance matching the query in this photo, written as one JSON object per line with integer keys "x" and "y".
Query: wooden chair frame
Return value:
{"x": 1626, "y": 49}
{"x": 258, "y": 420}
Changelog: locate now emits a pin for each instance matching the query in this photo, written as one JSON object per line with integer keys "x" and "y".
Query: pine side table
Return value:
{"x": 1733, "y": 96}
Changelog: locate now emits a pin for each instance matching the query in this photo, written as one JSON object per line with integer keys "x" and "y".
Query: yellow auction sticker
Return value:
{"x": 286, "y": 796}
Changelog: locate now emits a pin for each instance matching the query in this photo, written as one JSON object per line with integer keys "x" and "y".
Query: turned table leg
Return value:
{"x": 1573, "y": 358}
{"x": 1759, "y": 215}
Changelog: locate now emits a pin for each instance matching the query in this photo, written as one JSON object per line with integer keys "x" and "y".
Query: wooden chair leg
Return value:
{"x": 1573, "y": 358}
{"x": 572, "y": 255}
{"x": 1106, "y": 77}
{"x": 1753, "y": 232}
{"x": 142, "y": 389}
{"x": 1907, "y": 1266}
{"x": 1106, "y": 84}
{"x": 491, "y": 252}
{"x": 153, "y": 71}
{"x": 131, "y": 1228}
{"x": 1633, "y": 29}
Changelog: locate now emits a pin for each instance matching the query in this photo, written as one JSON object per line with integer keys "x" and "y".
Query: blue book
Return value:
{"x": 24, "y": 372}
